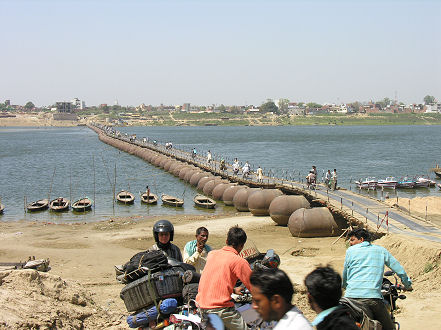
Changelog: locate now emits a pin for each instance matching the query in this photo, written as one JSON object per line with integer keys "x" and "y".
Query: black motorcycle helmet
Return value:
{"x": 163, "y": 226}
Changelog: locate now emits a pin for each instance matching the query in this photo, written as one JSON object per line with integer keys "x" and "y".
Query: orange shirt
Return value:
{"x": 222, "y": 270}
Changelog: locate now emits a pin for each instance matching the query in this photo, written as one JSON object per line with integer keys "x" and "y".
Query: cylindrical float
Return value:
{"x": 315, "y": 222}
{"x": 240, "y": 199}
{"x": 219, "y": 190}
{"x": 194, "y": 180}
{"x": 283, "y": 206}
{"x": 259, "y": 202}
{"x": 203, "y": 181}
{"x": 229, "y": 193}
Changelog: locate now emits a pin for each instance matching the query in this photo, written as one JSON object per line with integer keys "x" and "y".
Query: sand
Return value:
{"x": 81, "y": 291}
{"x": 427, "y": 208}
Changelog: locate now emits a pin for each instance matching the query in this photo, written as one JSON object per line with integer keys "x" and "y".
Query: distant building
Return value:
{"x": 433, "y": 108}
{"x": 7, "y": 102}
{"x": 65, "y": 107}
{"x": 186, "y": 107}
{"x": 78, "y": 104}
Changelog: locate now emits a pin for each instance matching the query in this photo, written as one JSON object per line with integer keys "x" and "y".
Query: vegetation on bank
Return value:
{"x": 257, "y": 119}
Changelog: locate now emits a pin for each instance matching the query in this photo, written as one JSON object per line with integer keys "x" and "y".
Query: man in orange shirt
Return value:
{"x": 222, "y": 270}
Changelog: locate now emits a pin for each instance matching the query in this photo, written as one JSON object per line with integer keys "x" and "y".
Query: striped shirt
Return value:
{"x": 222, "y": 270}
{"x": 363, "y": 270}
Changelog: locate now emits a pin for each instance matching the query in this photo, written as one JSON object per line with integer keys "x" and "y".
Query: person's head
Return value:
{"x": 313, "y": 166}
{"x": 359, "y": 235}
{"x": 236, "y": 238}
{"x": 324, "y": 288}
{"x": 329, "y": 171}
{"x": 163, "y": 231}
{"x": 272, "y": 293}
{"x": 335, "y": 170}
{"x": 202, "y": 235}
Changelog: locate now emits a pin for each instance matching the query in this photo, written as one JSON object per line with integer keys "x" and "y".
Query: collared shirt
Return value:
{"x": 363, "y": 270}
{"x": 193, "y": 257}
{"x": 222, "y": 270}
{"x": 321, "y": 316}
{"x": 293, "y": 319}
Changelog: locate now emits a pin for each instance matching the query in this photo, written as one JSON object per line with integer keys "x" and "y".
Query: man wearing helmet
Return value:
{"x": 163, "y": 232}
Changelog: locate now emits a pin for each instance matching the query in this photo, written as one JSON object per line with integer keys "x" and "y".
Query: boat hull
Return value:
{"x": 152, "y": 199}
{"x": 125, "y": 197}
{"x": 204, "y": 202}
{"x": 39, "y": 205}
{"x": 59, "y": 206}
{"x": 82, "y": 205}
{"x": 172, "y": 201}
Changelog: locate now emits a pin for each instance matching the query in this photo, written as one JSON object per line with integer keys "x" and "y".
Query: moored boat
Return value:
{"x": 59, "y": 204}
{"x": 39, "y": 205}
{"x": 204, "y": 201}
{"x": 389, "y": 183}
{"x": 82, "y": 205}
{"x": 438, "y": 173}
{"x": 406, "y": 183}
{"x": 368, "y": 183}
{"x": 421, "y": 182}
{"x": 125, "y": 197}
{"x": 151, "y": 198}
{"x": 172, "y": 201}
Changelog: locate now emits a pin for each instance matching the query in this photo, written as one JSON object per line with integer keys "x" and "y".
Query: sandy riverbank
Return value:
{"x": 428, "y": 208}
{"x": 81, "y": 288}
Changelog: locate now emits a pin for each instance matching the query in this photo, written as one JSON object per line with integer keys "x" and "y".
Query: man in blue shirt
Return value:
{"x": 363, "y": 275}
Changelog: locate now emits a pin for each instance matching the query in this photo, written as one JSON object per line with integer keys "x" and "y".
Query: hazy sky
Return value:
{"x": 213, "y": 52}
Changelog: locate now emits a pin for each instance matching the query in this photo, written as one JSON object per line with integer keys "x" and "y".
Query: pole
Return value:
{"x": 50, "y": 189}
{"x": 94, "y": 183}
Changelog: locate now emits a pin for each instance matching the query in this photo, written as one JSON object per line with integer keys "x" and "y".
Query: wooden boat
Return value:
{"x": 39, "y": 205}
{"x": 204, "y": 201}
{"x": 172, "y": 201}
{"x": 151, "y": 199}
{"x": 82, "y": 205}
{"x": 59, "y": 204}
{"x": 125, "y": 197}
{"x": 438, "y": 173}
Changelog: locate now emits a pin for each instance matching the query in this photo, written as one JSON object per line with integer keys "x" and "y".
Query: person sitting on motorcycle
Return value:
{"x": 323, "y": 286}
{"x": 272, "y": 293}
{"x": 196, "y": 251}
{"x": 163, "y": 232}
{"x": 222, "y": 270}
{"x": 363, "y": 275}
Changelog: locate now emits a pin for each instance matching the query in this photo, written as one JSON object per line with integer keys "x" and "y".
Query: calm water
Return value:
{"x": 30, "y": 156}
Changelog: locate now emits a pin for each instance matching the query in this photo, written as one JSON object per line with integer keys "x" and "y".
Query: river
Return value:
{"x": 72, "y": 162}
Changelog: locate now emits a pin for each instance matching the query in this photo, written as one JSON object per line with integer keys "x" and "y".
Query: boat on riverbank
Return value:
{"x": 59, "y": 204}
{"x": 151, "y": 198}
{"x": 82, "y": 205}
{"x": 421, "y": 182}
{"x": 125, "y": 197}
{"x": 406, "y": 183}
{"x": 368, "y": 183}
{"x": 389, "y": 183}
{"x": 172, "y": 201}
{"x": 204, "y": 201}
{"x": 39, "y": 205}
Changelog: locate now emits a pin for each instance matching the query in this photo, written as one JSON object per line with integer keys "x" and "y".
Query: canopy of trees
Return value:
{"x": 269, "y": 106}
{"x": 29, "y": 105}
{"x": 429, "y": 99}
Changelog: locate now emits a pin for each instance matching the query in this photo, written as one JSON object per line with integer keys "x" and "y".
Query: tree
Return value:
{"x": 222, "y": 108}
{"x": 269, "y": 106}
{"x": 29, "y": 105}
{"x": 428, "y": 99}
{"x": 283, "y": 105}
{"x": 313, "y": 105}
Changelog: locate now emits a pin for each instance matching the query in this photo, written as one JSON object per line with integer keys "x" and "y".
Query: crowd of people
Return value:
{"x": 272, "y": 290}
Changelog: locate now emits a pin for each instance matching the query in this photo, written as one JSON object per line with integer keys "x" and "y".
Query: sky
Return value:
{"x": 218, "y": 52}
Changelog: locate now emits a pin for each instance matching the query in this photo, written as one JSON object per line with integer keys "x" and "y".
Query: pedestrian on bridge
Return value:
{"x": 334, "y": 179}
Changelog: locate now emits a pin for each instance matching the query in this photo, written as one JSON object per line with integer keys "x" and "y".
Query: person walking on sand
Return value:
{"x": 334, "y": 179}
{"x": 363, "y": 275}
{"x": 259, "y": 173}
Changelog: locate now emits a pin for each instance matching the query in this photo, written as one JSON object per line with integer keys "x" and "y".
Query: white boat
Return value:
{"x": 389, "y": 183}
{"x": 406, "y": 183}
{"x": 421, "y": 182}
{"x": 368, "y": 183}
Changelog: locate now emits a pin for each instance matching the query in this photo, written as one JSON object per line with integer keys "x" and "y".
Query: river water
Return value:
{"x": 72, "y": 162}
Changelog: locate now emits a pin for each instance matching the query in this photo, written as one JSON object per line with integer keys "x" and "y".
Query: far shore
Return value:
{"x": 44, "y": 119}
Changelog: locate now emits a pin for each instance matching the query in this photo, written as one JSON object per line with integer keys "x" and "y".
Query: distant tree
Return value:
{"x": 269, "y": 106}
{"x": 429, "y": 99}
{"x": 283, "y": 105}
{"x": 313, "y": 105}
{"x": 222, "y": 108}
{"x": 235, "y": 109}
{"x": 29, "y": 105}
{"x": 355, "y": 106}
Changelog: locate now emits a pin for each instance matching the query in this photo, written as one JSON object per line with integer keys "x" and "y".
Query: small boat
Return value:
{"x": 59, "y": 204}
{"x": 438, "y": 173}
{"x": 39, "y": 205}
{"x": 368, "y": 183}
{"x": 125, "y": 197}
{"x": 389, "y": 183}
{"x": 406, "y": 183}
{"x": 172, "y": 201}
{"x": 204, "y": 201}
{"x": 438, "y": 185}
{"x": 82, "y": 205}
{"x": 421, "y": 182}
{"x": 2, "y": 207}
{"x": 150, "y": 199}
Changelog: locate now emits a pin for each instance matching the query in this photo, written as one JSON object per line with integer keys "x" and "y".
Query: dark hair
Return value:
{"x": 324, "y": 285}
{"x": 200, "y": 230}
{"x": 236, "y": 237}
{"x": 271, "y": 282}
{"x": 360, "y": 233}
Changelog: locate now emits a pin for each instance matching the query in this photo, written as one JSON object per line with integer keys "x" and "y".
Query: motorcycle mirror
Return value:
{"x": 389, "y": 273}
{"x": 269, "y": 253}
{"x": 401, "y": 296}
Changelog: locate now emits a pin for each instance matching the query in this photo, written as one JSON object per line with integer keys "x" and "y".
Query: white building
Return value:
{"x": 433, "y": 108}
{"x": 78, "y": 104}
